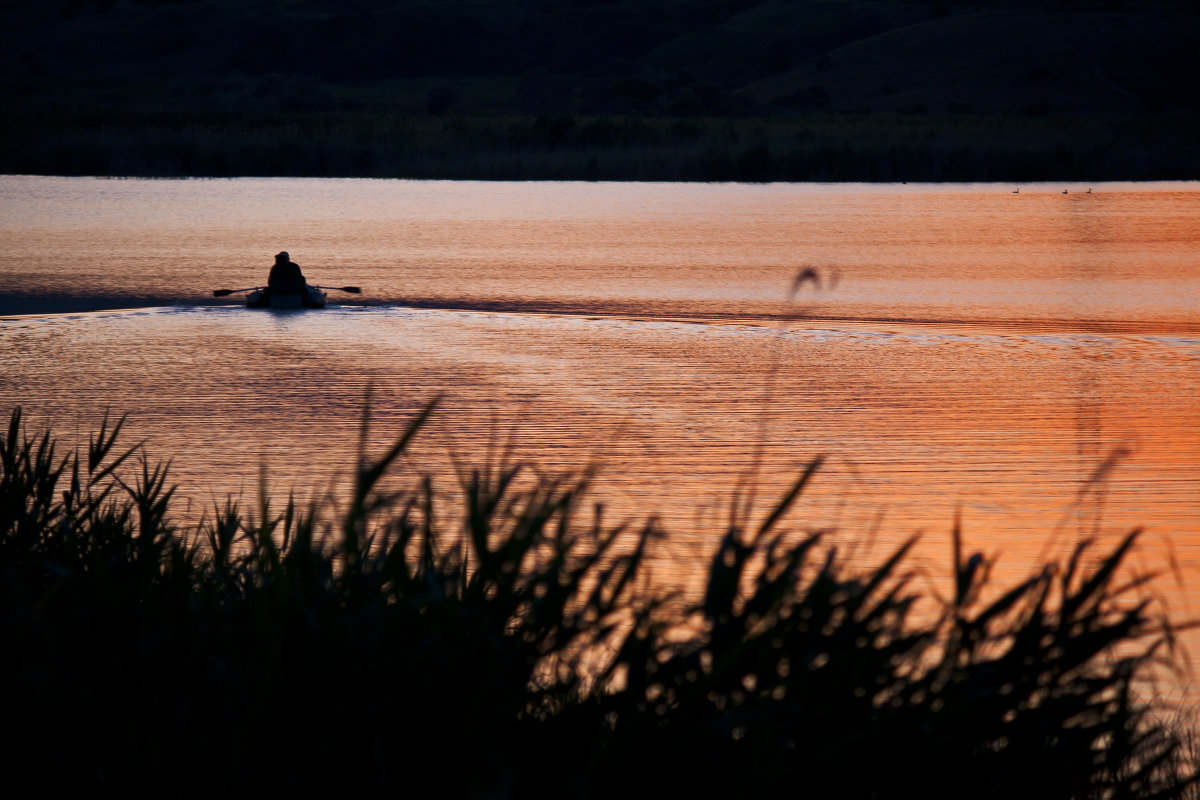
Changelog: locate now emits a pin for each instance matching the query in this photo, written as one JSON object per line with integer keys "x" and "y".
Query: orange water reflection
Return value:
{"x": 982, "y": 351}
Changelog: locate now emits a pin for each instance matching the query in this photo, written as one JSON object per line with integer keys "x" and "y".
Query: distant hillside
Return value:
{"x": 670, "y": 56}
{"x": 1006, "y": 58}
{"x": 73, "y": 63}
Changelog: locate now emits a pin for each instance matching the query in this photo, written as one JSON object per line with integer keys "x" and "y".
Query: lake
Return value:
{"x": 1027, "y": 357}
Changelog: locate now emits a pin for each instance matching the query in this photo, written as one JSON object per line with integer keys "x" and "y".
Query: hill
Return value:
{"x": 141, "y": 65}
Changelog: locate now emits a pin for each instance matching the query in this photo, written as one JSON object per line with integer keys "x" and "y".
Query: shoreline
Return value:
{"x": 876, "y": 147}
{"x": 1034, "y": 186}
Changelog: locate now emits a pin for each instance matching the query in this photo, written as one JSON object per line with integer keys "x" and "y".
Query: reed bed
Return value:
{"x": 506, "y": 644}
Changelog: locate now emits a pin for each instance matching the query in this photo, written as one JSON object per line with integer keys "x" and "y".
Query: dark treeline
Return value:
{"x": 507, "y": 644}
{"x": 218, "y": 87}
{"x": 819, "y": 147}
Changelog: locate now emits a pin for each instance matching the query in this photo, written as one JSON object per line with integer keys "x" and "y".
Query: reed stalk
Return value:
{"x": 497, "y": 645}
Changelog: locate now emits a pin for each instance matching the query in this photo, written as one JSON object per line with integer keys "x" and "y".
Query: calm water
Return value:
{"x": 966, "y": 347}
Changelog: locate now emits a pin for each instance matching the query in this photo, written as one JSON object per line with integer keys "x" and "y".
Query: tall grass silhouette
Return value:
{"x": 500, "y": 641}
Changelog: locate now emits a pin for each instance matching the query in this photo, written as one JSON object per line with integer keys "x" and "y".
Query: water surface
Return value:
{"x": 958, "y": 349}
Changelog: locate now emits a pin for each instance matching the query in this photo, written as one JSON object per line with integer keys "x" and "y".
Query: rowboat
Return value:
{"x": 261, "y": 297}
{"x": 312, "y": 297}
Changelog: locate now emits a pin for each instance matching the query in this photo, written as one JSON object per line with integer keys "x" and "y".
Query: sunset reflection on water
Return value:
{"x": 982, "y": 353}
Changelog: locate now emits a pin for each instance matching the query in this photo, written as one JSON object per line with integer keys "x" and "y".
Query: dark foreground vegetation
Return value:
{"x": 501, "y": 646}
{"x": 882, "y": 90}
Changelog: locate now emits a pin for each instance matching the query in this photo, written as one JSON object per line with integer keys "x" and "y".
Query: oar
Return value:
{"x": 350, "y": 289}
{"x": 227, "y": 292}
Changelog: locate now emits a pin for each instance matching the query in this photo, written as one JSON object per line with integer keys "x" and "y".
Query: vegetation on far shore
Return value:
{"x": 697, "y": 90}
{"x": 817, "y": 147}
{"x": 506, "y": 643}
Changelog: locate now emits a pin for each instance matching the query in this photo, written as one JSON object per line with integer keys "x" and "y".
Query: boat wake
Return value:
{"x": 797, "y": 317}
{"x": 31, "y": 305}
{"x": 14, "y": 306}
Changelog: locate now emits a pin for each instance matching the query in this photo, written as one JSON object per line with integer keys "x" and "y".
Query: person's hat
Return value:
{"x": 282, "y": 255}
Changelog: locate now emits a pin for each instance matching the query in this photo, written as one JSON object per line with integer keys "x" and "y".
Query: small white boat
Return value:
{"x": 311, "y": 298}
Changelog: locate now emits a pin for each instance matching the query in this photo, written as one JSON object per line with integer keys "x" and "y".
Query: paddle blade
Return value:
{"x": 352, "y": 289}
{"x": 222, "y": 292}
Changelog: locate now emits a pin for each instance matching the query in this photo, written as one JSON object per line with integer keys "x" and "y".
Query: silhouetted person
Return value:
{"x": 286, "y": 277}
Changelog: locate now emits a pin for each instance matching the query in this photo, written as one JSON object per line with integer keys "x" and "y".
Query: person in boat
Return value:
{"x": 285, "y": 277}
